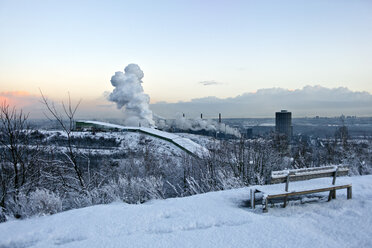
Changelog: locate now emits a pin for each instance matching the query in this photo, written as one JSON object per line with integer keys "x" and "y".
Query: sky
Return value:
{"x": 187, "y": 49}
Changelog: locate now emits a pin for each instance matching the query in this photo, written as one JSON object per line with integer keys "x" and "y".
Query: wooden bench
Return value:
{"x": 303, "y": 174}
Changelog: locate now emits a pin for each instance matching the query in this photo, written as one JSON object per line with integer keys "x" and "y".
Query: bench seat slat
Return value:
{"x": 318, "y": 190}
{"x": 294, "y": 178}
{"x": 308, "y": 173}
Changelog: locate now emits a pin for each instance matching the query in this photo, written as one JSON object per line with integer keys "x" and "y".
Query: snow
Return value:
{"x": 216, "y": 219}
{"x": 156, "y": 132}
{"x": 104, "y": 124}
{"x": 202, "y": 140}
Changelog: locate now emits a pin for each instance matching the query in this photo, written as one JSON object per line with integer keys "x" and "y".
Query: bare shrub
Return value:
{"x": 38, "y": 202}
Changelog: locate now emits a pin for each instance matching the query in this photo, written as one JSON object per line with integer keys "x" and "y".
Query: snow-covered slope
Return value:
{"x": 217, "y": 219}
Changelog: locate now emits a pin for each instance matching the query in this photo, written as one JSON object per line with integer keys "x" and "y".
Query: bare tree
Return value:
{"x": 66, "y": 121}
{"x": 19, "y": 157}
{"x": 12, "y": 125}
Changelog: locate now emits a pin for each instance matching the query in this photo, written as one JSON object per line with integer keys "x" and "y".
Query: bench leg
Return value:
{"x": 265, "y": 209}
{"x": 349, "y": 192}
{"x": 254, "y": 198}
{"x": 251, "y": 198}
{"x": 285, "y": 202}
{"x": 330, "y": 195}
{"x": 334, "y": 194}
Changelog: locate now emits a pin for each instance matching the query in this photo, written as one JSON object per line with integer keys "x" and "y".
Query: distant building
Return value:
{"x": 283, "y": 123}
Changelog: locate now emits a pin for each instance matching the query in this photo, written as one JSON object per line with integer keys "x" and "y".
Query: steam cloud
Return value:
{"x": 128, "y": 94}
{"x": 181, "y": 123}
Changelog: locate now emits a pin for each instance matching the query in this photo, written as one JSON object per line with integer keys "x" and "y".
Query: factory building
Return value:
{"x": 283, "y": 123}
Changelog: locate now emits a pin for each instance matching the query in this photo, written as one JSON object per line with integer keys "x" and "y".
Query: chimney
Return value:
{"x": 219, "y": 118}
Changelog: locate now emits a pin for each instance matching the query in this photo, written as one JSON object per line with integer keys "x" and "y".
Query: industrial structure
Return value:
{"x": 283, "y": 123}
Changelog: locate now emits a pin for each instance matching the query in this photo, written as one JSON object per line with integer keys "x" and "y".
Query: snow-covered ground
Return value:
{"x": 217, "y": 219}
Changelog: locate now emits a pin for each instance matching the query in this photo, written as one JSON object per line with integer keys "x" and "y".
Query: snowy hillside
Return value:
{"x": 217, "y": 219}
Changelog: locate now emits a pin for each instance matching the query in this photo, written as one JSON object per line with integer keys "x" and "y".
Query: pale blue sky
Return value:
{"x": 77, "y": 46}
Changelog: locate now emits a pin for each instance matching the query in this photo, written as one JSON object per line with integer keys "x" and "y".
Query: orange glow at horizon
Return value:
{"x": 16, "y": 98}
{"x": 4, "y": 100}
{"x": 16, "y": 93}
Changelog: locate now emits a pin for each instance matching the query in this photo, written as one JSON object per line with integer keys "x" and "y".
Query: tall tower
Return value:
{"x": 283, "y": 123}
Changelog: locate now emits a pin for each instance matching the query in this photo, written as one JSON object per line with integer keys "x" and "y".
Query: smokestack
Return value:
{"x": 219, "y": 118}
{"x": 201, "y": 116}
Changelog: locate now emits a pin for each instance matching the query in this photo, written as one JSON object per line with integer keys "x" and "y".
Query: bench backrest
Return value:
{"x": 308, "y": 173}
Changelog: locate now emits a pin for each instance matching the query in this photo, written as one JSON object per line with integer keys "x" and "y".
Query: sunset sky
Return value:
{"x": 187, "y": 49}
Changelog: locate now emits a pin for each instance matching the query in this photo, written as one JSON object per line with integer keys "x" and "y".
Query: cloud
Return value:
{"x": 19, "y": 99}
{"x": 308, "y": 101}
{"x": 25, "y": 101}
{"x": 104, "y": 105}
{"x": 211, "y": 82}
{"x": 32, "y": 105}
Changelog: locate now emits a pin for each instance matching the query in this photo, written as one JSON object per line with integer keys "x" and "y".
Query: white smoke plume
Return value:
{"x": 128, "y": 94}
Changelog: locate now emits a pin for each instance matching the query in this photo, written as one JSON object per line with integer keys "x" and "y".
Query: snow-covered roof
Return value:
{"x": 184, "y": 143}
{"x": 99, "y": 123}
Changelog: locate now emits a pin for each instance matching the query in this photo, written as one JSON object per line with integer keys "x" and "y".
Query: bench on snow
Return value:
{"x": 286, "y": 176}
